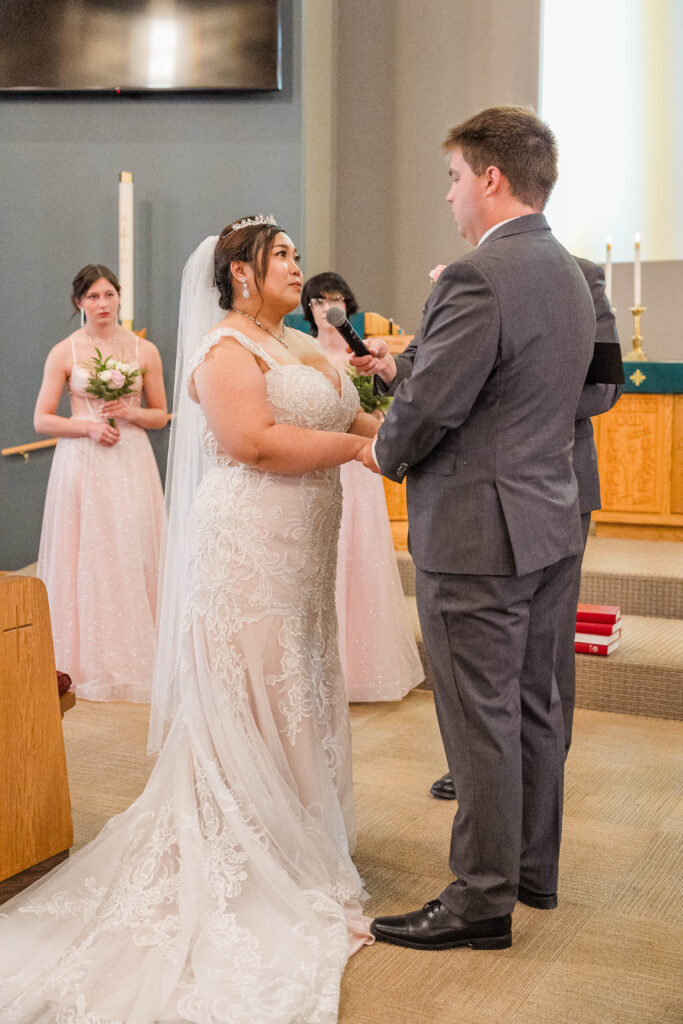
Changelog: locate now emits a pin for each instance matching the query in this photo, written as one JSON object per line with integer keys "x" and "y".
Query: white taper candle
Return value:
{"x": 126, "y": 264}
{"x": 637, "y": 291}
{"x": 608, "y": 269}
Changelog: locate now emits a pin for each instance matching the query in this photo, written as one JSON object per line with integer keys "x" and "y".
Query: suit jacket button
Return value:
{"x": 402, "y": 469}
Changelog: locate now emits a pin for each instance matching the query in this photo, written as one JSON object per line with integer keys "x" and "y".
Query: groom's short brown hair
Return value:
{"x": 517, "y": 142}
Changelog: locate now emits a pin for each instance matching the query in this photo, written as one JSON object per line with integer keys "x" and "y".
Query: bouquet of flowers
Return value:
{"x": 110, "y": 378}
{"x": 369, "y": 401}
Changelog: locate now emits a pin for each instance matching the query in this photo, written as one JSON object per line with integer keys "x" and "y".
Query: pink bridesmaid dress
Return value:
{"x": 378, "y": 653}
{"x": 99, "y": 551}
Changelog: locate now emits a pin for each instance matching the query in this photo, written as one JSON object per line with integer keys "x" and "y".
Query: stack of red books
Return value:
{"x": 598, "y": 628}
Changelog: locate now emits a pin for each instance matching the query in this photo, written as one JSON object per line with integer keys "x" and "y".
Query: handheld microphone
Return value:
{"x": 336, "y": 316}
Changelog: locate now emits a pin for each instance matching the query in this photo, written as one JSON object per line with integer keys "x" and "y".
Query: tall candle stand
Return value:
{"x": 637, "y": 355}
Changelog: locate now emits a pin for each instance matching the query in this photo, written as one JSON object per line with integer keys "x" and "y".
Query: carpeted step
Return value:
{"x": 644, "y": 676}
{"x": 643, "y": 577}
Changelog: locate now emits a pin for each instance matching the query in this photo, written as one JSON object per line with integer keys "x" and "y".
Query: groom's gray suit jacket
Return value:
{"x": 482, "y": 423}
{"x": 595, "y": 398}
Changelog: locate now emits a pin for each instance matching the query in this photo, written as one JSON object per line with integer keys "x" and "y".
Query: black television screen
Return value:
{"x": 138, "y": 45}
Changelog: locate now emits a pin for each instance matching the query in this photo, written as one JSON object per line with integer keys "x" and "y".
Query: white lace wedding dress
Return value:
{"x": 226, "y": 892}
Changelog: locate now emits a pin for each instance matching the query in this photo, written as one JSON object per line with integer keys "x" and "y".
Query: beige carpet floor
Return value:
{"x": 610, "y": 954}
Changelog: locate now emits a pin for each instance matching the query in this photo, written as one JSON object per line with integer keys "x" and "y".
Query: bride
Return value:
{"x": 226, "y": 892}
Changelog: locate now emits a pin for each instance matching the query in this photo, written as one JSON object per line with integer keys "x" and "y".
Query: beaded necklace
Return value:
{"x": 278, "y": 337}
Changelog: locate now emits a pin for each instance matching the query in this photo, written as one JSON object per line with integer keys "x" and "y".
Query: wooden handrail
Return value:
{"x": 24, "y": 449}
{"x": 50, "y": 442}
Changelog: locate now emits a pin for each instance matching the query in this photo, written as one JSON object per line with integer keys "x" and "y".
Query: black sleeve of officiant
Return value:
{"x": 606, "y": 366}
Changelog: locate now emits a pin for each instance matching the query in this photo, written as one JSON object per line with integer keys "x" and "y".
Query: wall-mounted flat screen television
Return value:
{"x": 121, "y": 46}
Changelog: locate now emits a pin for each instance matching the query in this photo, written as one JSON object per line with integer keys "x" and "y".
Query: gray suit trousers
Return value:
{"x": 565, "y": 663}
{"x": 492, "y": 642}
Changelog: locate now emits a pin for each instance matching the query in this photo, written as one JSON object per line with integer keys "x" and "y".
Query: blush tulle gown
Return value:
{"x": 226, "y": 893}
{"x": 379, "y": 655}
{"x": 99, "y": 551}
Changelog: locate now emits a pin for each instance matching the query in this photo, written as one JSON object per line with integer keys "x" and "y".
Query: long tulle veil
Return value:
{"x": 199, "y": 311}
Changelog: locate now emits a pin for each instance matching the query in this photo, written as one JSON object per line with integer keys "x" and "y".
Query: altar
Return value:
{"x": 640, "y": 455}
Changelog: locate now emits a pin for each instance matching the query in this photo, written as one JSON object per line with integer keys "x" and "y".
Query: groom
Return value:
{"x": 482, "y": 428}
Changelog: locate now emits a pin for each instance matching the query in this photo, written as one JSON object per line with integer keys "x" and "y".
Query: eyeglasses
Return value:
{"x": 330, "y": 300}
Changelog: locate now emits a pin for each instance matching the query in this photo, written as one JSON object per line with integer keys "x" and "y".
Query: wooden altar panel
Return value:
{"x": 640, "y": 460}
{"x": 677, "y": 449}
{"x": 395, "y": 495}
{"x": 634, "y": 454}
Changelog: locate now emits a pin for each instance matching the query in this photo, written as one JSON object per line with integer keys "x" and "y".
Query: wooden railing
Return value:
{"x": 34, "y": 446}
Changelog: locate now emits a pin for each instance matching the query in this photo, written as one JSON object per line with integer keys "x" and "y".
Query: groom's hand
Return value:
{"x": 368, "y": 459}
{"x": 379, "y": 362}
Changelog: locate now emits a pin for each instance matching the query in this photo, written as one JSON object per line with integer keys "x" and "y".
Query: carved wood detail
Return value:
{"x": 634, "y": 454}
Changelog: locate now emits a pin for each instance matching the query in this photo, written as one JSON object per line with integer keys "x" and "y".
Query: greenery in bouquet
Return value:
{"x": 111, "y": 378}
{"x": 369, "y": 401}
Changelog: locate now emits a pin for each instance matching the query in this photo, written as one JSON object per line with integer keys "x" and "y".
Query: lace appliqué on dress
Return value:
{"x": 218, "y": 897}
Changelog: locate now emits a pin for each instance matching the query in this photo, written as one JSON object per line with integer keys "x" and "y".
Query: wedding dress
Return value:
{"x": 226, "y": 892}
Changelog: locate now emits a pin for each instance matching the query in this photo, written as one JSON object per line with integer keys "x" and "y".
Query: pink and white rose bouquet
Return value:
{"x": 110, "y": 378}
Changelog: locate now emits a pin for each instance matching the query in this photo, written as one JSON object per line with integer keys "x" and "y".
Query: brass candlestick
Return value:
{"x": 637, "y": 355}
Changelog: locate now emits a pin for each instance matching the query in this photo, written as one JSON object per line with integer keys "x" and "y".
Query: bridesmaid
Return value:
{"x": 381, "y": 663}
{"x": 99, "y": 544}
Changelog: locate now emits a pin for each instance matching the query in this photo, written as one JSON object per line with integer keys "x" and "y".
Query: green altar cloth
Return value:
{"x": 653, "y": 378}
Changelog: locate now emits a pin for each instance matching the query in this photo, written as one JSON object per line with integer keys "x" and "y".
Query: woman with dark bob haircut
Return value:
{"x": 326, "y": 286}
{"x": 384, "y": 665}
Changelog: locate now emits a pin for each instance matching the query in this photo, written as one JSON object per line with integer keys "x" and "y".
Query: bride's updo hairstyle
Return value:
{"x": 86, "y": 277}
{"x": 252, "y": 245}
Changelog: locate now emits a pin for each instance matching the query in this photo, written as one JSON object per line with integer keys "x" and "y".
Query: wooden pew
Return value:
{"x": 35, "y": 808}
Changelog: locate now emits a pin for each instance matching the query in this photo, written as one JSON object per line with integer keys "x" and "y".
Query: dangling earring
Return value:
{"x": 82, "y": 317}
{"x": 245, "y": 288}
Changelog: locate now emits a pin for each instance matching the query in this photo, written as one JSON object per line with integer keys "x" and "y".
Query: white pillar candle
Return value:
{"x": 126, "y": 247}
{"x": 608, "y": 269}
{"x": 637, "y": 292}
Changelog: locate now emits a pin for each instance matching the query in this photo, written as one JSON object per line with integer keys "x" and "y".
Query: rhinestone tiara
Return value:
{"x": 250, "y": 222}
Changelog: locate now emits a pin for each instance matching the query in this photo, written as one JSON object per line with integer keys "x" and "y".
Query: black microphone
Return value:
{"x": 338, "y": 319}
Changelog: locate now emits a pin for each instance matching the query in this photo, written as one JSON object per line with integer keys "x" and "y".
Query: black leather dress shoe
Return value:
{"x": 435, "y": 927}
{"x": 443, "y": 788}
{"x": 537, "y": 900}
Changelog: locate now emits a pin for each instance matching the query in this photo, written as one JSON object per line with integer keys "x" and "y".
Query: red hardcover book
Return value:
{"x": 603, "y": 628}
{"x": 598, "y": 613}
{"x": 596, "y": 638}
{"x": 582, "y": 648}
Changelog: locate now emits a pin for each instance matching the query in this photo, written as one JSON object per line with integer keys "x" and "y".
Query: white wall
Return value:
{"x": 614, "y": 96}
{"x": 403, "y": 73}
